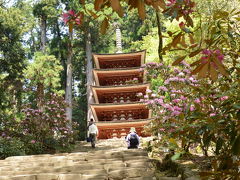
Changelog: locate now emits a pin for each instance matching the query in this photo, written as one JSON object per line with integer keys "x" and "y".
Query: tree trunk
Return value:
{"x": 68, "y": 93}
{"x": 61, "y": 57}
{"x": 43, "y": 27}
{"x": 40, "y": 95}
{"x": 89, "y": 72}
{"x": 160, "y": 45}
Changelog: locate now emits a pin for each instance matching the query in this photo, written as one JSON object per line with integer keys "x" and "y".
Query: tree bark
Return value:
{"x": 43, "y": 27}
{"x": 89, "y": 72}
{"x": 160, "y": 45}
{"x": 68, "y": 93}
{"x": 61, "y": 56}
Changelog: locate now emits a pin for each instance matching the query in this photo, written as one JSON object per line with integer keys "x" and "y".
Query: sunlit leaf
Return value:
{"x": 104, "y": 26}
{"x": 176, "y": 156}
{"x": 196, "y": 63}
{"x": 115, "y": 4}
{"x": 159, "y": 3}
{"x": 133, "y": 4}
{"x": 203, "y": 72}
{"x": 94, "y": 15}
{"x": 220, "y": 67}
{"x": 82, "y": 2}
{"x": 178, "y": 60}
{"x": 197, "y": 69}
{"x": 176, "y": 39}
{"x": 98, "y": 4}
{"x": 213, "y": 73}
{"x": 191, "y": 38}
{"x": 194, "y": 53}
{"x": 141, "y": 9}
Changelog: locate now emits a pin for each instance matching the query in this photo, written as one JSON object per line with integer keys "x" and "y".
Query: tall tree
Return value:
{"x": 12, "y": 57}
{"x": 68, "y": 92}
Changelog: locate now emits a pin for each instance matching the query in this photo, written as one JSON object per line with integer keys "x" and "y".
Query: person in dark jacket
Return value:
{"x": 132, "y": 139}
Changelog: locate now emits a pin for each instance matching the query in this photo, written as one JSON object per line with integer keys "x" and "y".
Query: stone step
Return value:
{"x": 118, "y": 163}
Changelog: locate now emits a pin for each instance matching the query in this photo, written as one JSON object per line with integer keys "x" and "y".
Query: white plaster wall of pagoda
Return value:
{"x": 119, "y": 55}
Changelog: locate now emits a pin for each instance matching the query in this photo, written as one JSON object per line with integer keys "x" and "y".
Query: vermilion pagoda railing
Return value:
{"x": 120, "y": 97}
{"x": 115, "y": 80}
{"x": 122, "y": 114}
{"x": 112, "y": 64}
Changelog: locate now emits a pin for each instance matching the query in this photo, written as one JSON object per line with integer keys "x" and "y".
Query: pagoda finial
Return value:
{"x": 118, "y": 38}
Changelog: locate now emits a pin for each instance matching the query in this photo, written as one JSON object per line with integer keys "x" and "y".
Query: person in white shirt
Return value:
{"x": 93, "y": 132}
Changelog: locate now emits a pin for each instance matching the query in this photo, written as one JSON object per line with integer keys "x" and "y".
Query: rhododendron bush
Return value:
{"x": 36, "y": 131}
{"x": 190, "y": 112}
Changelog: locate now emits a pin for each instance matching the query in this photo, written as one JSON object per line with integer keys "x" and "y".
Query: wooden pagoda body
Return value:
{"x": 118, "y": 80}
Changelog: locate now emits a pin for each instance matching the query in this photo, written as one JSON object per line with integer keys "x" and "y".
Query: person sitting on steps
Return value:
{"x": 93, "y": 132}
{"x": 132, "y": 139}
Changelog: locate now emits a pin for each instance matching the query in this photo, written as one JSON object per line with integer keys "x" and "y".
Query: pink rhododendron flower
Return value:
{"x": 175, "y": 113}
{"x": 150, "y": 102}
{"x": 181, "y": 74}
{"x": 163, "y": 88}
{"x": 197, "y": 101}
{"x": 212, "y": 114}
{"x": 192, "y": 108}
{"x": 224, "y": 98}
{"x": 149, "y": 91}
{"x": 171, "y": 2}
{"x": 33, "y": 141}
{"x": 183, "y": 98}
{"x": 176, "y": 108}
{"x": 207, "y": 52}
{"x": 210, "y": 53}
{"x": 159, "y": 101}
{"x": 176, "y": 100}
{"x": 181, "y": 25}
{"x": 161, "y": 129}
{"x": 153, "y": 95}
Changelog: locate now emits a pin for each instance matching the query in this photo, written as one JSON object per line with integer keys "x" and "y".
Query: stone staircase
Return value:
{"x": 110, "y": 162}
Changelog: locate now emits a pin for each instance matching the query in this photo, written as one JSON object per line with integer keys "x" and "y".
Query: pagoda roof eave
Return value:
{"x": 117, "y": 69}
{"x": 121, "y": 86}
{"x": 126, "y": 121}
{"x": 118, "y": 104}
{"x": 118, "y": 55}
{"x": 137, "y": 122}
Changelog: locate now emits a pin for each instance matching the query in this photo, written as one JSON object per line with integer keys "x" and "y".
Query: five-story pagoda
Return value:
{"x": 118, "y": 80}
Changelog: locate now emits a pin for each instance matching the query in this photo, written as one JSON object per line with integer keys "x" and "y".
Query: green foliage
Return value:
{"x": 11, "y": 147}
{"x": 45, "y": 70}
{"x": 12, "y": 57}
{"x": 45, "y": 8}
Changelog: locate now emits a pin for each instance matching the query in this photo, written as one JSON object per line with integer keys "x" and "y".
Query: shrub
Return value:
{"x": 11, "y": 147}
{"x": 48, "y": 128}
